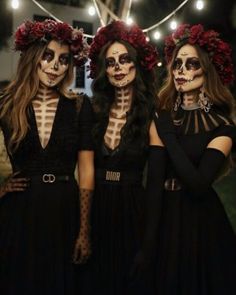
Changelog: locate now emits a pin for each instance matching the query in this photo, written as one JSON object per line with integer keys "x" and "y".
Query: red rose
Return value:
{"x": 37, "y": 30}
{"x": 195, "y": 33}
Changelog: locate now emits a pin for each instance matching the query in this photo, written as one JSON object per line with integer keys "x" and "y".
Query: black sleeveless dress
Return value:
{"x": 117, "y": 219}
{"x": 196, "y": 246}
{"x": 38, "y": 226}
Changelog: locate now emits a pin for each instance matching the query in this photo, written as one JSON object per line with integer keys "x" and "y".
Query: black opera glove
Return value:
{"x": 82, "y": 249}
{"x": 164, "y": 123}
{"x": 154, "y": 194}
{"x": 198, "y": 179}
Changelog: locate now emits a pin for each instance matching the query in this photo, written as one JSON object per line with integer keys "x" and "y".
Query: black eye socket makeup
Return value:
{"x": 110, "y": 62}
{"x": 191, "y": 64}
{"x": 123, "y": 59}
{"x": 48, "y": 55}
{"x": 64, "y": 59}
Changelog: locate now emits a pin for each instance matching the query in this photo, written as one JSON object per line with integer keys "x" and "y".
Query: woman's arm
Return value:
{"x": 86, "y": 187}
{"x": 154, "y": 194}
{"x": 197, "y": 179}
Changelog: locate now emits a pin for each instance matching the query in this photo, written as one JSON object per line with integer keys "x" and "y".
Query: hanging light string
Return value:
{"x": 128, "y": 5}
{"x": 166, "y": 18}
{"x": 98, "y": 13}
{"x": 96, "y": 2}
{"x": 46, "y": 11}
{"x": 54, "y": 17}
{"x": 113, "y": 16}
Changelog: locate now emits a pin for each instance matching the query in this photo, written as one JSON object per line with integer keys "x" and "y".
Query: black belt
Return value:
{"x": 118, "y": 176}
{"x": 172, "y": 184}
{"x": 51, "y": 178}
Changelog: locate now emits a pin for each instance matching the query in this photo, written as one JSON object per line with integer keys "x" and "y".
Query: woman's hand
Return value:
{"x": 82, "y": 249}
{"x": 12, "y": 184}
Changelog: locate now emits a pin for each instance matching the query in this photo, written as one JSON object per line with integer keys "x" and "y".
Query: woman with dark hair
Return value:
{"x": 47, "y": 131}
{"x": 122, "y": 65}
{"x": 195, "y": 243}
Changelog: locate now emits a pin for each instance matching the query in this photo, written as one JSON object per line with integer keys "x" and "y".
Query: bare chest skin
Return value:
{"x": 118, "y": 116}
{"x": 45, "y": 106}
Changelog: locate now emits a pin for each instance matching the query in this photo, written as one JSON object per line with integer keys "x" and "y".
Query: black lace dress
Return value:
{"x": 117, "y": 221}
{"x": 38, "y": 226}
{"x": 196, "y": 246}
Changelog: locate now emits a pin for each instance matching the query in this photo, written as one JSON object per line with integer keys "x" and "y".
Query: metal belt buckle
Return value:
{"x": 48, "y": 178}
{"x": 112, "y": 175}
{"x": 172, "y": 184}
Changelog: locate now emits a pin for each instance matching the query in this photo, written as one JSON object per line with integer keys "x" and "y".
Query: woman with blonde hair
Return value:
{"x": 44, "y": 215}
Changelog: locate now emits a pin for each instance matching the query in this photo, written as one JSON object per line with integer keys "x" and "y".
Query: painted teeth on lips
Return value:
{"x": 119, "y": 76}
{"x": 181, "y": 80}
{"x": 52, "y": 76}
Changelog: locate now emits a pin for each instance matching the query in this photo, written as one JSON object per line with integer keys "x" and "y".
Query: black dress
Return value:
{"x": 196, "y": 245}
{"x": 38, "y": 226}
{"x": 117, "y": 216}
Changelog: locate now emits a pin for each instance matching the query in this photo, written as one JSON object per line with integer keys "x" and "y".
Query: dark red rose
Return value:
{"x": 63, "y": 32}
{"x": 195, "y": 33}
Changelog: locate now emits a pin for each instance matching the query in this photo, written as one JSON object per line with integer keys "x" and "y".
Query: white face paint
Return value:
{"x": 54, "y": 64}
{"x": 120, "y": 70}
{"x": 187, "y": 71}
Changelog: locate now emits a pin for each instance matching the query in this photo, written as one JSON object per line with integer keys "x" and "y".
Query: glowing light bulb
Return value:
{"x": 200, "y": 4}
{"x": 129, "y": 21}
{"x": 15, "y": 4}
{"x": 173, "y": 25}
{"x": 159, "y": 64}
{"x": 91, "y": 10}
{"x": 157, "y": 35}
{"x": 147, "y": 39}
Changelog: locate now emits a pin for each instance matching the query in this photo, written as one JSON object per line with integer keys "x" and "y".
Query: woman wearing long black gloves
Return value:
{"x": 122, "y": 65}
{"x": 196, "y": 246}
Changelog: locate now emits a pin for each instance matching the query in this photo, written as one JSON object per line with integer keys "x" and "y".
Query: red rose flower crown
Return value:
{"x": 218, "y": 50}
{"x": 30, "y": 32}
{"x": 119, "y": 30}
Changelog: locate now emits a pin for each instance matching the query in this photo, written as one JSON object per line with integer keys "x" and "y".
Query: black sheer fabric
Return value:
{"x": 38, "y": 227}
{"x": 196, "y": 243}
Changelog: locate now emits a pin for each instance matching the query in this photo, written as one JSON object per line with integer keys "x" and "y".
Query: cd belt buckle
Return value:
{"x": 49, "y": 178}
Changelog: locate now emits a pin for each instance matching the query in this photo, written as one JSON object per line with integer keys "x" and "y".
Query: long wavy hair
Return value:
{"x": 218, "y": 93}
{"x": 143, "y": 102}
{"x": 18, "y": 95}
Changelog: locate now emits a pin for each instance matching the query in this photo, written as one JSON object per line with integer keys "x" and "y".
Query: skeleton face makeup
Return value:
{"x": 120, "y": 69}
{"x": 187, "y": 71}
{"x": 54, "y": 64}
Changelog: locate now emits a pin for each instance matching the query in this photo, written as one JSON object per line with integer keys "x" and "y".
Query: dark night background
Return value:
{"x": 219, "y": 15}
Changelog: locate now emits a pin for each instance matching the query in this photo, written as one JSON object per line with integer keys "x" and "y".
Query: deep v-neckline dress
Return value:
{"x": 117, "y": 219}
{"x": 38, "y": 226}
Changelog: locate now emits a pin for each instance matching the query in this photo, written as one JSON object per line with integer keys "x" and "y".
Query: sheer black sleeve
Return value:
{"x": 197, "y": 179}
{"x": 85, "y": 125}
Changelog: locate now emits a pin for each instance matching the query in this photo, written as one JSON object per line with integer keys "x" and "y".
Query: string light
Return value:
{"x": 129, "y": 21}
{"x": 200, "y": 4}
{"x": 15, "y": 4}
{"x": 91, "y": 10}
{"x": 173, "y": 24}
{"x": 157, "y": 35}
{"x": 159, "y": 64}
